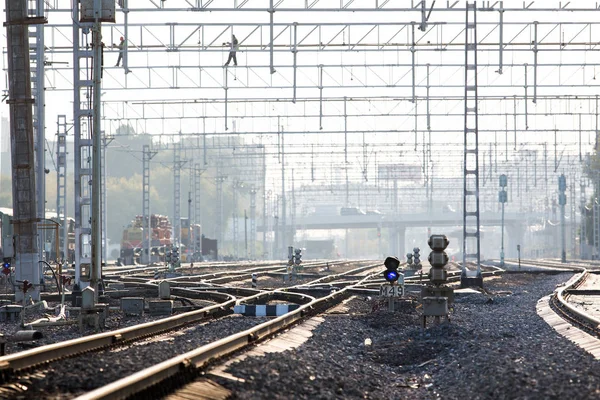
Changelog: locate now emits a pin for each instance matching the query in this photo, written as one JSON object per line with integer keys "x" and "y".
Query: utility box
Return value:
{"x": 107, "y": 11}
{"x": 438, "y": 291}
{"x": 164, "y": 290}
{"x": 87, "y": 298}
{"x": 132, "y": 305}
{"x": 435, "y": 306}
{"x": 10, "y": 313}
{"x": 160, "y": 307}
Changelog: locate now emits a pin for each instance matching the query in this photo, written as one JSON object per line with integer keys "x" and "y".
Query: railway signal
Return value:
{"x": 409, "y": 258}
{"x": 391, "y": 273}
{"x": 298, "y": 256}
{"x": 435, "y": 296}
{"x": 438, "y": 258}
{"x": 417, "y": 256}
{"x": 175, "y": 255}
{"x": 395, "y": 288}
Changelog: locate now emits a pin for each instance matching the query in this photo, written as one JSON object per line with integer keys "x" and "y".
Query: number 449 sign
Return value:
{"x": 391, "y": 291}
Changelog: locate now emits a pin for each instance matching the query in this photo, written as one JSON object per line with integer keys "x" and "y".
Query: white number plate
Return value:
{"x": 390, "y": 291}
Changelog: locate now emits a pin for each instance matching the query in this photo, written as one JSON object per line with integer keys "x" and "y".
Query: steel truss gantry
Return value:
{"x": 349, "y": 6}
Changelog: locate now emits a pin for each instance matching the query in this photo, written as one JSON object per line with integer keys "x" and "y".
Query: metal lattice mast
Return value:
{"x": 293, "y": 213}
{"x": 197, "y": 210}
{"x": 253, "y": 223}
{"x": 265, "y": 218}
{"x": 97, "y": 48}
{"x": 235, "y": 219}
{"x": 583, "y": 218}
{"x": 147, "y": 155}
{"x": 276, "y": 254}
{"x": 596, "y": 234}
{"x": 22, "y": 150}
{"x": 219, "y": 214}
{"x": 283, "y": 215}
{"x": 61, "y": 182}
{"x": 106, "y": 140}
{"x": 471, "y": 238}
{"x": 36, "y": 56}
{"x": 177, "y": 194}
{"x": 82, "y": 125}
{"x": 573, "y": 216}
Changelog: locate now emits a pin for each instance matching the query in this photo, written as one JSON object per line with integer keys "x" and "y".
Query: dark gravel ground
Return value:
{"x": 492, "y": 350}
{"x": 73, "y": 376}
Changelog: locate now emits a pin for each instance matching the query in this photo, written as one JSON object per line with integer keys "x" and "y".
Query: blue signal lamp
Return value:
{"x": 391, "y": 275}
{"x": 6, "y": 265}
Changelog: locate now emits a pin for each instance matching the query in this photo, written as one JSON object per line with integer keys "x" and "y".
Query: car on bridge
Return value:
{"x": 374, "y": 212}
{"x": 351, "y": 211}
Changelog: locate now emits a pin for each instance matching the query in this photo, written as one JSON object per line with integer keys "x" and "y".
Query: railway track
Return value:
{"x": 186, "y": 367}
{"x": 575, "y": 316}
{"x": 550, "y": 265}
{"x": 12, "y": 366}
{"x": 571, "y": 322}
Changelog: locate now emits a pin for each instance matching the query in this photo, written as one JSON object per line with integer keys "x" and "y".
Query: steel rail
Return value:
{"x": 200, "y": 357}
{"x": 26, "y": 359}
{"x": 13, "y": 363}
{"x": 573, "y": 314}
{"x": 578, "y": 267}
{"x": 30, "y": 358}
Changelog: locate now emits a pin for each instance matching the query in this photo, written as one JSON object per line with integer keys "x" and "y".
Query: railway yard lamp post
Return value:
{"x": 502, "y": 198}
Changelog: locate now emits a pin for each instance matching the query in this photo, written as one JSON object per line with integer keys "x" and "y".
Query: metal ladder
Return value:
{"x": 471, "y": 234}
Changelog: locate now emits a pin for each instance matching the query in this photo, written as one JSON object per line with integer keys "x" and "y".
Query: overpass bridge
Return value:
{"x": 405, "y": 220}
{"x": 515, "y": 224}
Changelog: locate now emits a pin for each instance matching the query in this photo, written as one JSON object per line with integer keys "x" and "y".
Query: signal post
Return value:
{"x": 436, "y": 296}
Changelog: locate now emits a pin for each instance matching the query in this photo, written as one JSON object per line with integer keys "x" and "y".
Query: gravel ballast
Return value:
{"x": 73, "y": 376}
{"x": 498, "y": 349}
